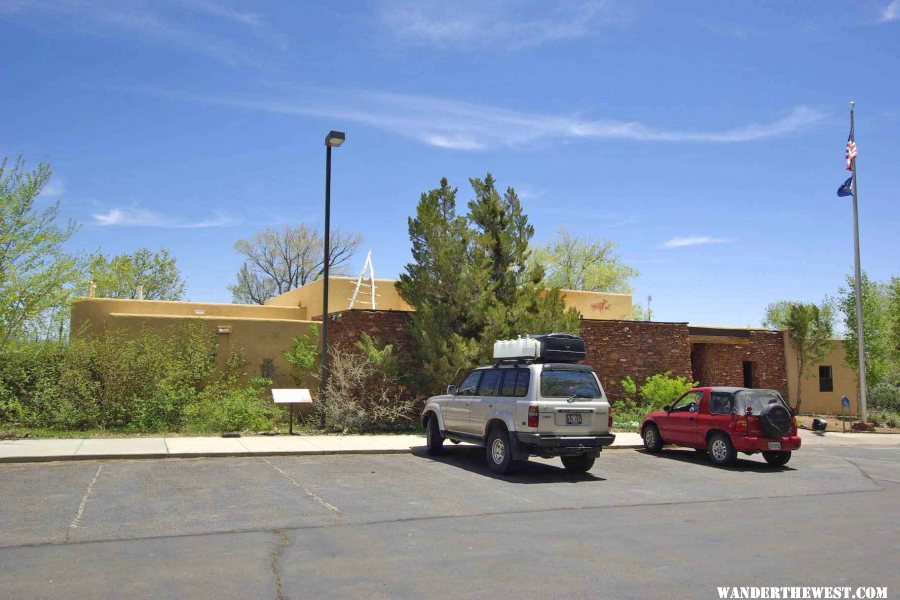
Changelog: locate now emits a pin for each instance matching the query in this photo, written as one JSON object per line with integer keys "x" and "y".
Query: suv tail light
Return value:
{"x": 532, "y": 416}
{"x": 740, "y": 426}
{"x": 610, "y": 420}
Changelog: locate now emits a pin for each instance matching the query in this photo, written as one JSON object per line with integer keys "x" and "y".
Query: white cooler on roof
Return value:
{"x": 524, "y": 348}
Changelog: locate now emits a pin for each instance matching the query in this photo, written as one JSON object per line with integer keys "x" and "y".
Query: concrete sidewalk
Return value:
{"x": 33, "y": 450}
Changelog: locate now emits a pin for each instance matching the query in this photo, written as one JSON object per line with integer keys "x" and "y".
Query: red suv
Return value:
{"x": 724, "y": 421}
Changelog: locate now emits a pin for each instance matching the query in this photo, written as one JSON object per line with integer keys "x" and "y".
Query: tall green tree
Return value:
{"x": 580, "y": 263}
{"x": 810, "y": 329}
{"x": 36, "y": 275}
{"x": 119, "y": 276}
{"x": 470, "y": 283}
{"x": 877, "y": 327}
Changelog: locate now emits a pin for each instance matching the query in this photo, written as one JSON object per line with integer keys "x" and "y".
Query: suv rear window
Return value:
{"x": 755, "y": 400}
{"x": 515, "y": 383}
{"x": 569, "y": 384}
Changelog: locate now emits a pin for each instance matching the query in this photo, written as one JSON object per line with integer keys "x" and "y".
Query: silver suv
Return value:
{"x": 524, "y": 407}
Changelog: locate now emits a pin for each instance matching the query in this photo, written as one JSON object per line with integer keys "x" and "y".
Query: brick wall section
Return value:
{"x": 617, "y": 349}
{"x": 386, "y": 326}
{"x": 722, "y": 364}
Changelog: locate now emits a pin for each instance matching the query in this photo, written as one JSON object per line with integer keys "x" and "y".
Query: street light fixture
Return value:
{"x": 333, "y": 140}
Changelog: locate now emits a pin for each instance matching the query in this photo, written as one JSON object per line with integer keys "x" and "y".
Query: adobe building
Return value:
{"x": 617, "y": 345}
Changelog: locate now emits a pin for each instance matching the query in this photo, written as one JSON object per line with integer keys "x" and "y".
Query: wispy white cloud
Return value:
{"x": 166, "y": 23}
{"x": 468, "y": 126}
{"x": 53, "y": 189}
{"x": 141, "y": 217}
{"x": 681, "y": 242}
{"x": 501, "y": 23}
{"x": 891, "y": 12}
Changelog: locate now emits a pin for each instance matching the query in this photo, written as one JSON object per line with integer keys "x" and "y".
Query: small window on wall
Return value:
{"x": 826, "y": 382}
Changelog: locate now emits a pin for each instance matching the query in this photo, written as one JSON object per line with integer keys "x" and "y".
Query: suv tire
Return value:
{"x": 720, "y": 450}
{"x": 652, "y": 440}
{"x": 581, "y": 463}
{"x": 434, "y": 441}
{"x": 498, "y": 450}
{"x": 775, "y": 420}
{"x": 777, "y": 459}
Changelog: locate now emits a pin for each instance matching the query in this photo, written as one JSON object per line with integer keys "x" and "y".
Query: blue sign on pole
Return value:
{"x": 845, "y": 402}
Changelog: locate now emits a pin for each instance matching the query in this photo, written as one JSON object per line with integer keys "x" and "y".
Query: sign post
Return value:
{"x": 845, "y": 403}
{"x": 291, "y": 397}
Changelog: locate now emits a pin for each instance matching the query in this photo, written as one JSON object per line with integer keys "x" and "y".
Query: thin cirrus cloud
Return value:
{"x": 503, "y": 23}
{"x": 683, "y": 242}
{"x": 891, "y": 12}
{"x": 141, "y": 217}
{"x": 171, "y": 24}
{"x": 458, "y": 125}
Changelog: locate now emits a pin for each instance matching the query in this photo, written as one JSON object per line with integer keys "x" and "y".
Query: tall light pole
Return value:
{"x": 332, "y": 140}
{"x": 861, "y": 347}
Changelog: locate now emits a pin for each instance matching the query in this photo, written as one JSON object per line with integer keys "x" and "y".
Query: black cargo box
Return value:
{"x": 561, "y": 347}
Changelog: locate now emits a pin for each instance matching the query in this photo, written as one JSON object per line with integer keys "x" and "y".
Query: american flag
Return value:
{"x": 851, "y": 150}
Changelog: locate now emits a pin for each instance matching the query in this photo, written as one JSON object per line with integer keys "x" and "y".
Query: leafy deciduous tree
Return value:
{"x": 36, "y": 276}
{"x": 579, "y": 263}
{"x": 876, "y": 327}
{"x": 279, "y": 259}
{"x": 119, "y": 276}
{"x": 810, "y": 328}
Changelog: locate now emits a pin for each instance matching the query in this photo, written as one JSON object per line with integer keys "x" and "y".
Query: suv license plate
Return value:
{"x": 774, "y": 445}
{"x": 573, "y": 419}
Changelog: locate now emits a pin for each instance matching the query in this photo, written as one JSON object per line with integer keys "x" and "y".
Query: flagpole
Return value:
{"x": 861, "y": 348}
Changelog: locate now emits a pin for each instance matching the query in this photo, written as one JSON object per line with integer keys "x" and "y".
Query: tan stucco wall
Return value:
{"x": 266, "y": 336}
{"x": 814, "y": 401}
{"x": 591, "y": 305}
{"x": 340, "y": 291}
{"x": 599, "y": 305}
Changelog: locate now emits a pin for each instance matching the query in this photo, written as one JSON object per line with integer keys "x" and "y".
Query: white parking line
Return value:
{"x": 324, "y": 503}
{"x": 80, "y": 512}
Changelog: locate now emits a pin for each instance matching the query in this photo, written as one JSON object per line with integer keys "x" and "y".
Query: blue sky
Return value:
{"x": 706, "y": 139}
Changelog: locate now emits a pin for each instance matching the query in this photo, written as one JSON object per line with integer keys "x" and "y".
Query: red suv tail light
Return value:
{"x": 740, "y": 426}
{"x": 532, "y": 416}
{"x": 610, "y": 420}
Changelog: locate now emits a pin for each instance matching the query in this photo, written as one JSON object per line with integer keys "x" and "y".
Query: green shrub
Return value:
{"x": 656, "y": 391}
{"x": 222, "y": 407}
{"x": 885, "y": 396}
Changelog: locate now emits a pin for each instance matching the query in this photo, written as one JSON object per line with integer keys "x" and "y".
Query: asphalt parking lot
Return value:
{"x": 363, "y": 526}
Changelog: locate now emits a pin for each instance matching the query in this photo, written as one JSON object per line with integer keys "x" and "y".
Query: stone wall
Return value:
{"x": 723, "y": 364}
{"x": 617, "y": 349}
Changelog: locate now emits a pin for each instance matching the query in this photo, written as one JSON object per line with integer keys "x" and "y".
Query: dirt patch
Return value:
{"x": 840, "y": 423}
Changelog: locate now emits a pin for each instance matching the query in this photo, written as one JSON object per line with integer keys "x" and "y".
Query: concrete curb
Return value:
{"x": 247, "y": 454}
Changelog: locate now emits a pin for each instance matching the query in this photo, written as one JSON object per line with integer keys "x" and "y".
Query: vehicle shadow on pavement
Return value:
{"x": 700, "y": 458}
{"x": 471, "y": 458}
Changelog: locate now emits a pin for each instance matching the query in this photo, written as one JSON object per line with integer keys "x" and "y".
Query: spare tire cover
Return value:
{"x": 775, "y": 420}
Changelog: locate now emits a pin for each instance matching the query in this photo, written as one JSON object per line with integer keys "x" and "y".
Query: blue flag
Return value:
{"x": 847, "y": 188}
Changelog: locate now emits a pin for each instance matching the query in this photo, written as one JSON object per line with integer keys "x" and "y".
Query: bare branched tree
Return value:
{"x": 279, "y": 259}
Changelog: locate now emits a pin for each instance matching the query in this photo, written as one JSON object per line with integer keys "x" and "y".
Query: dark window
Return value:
{"x": 826, "y": 381}
{"x": 569, "y": 384}
{"x": 489, "y": 382}
{"x": 721, "y": 403}
{"x": 515, "y": 383}
{"x": 469, "y": 384}
{"x": 748, "y": 374}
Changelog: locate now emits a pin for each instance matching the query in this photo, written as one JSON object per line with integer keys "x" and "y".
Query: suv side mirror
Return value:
{"x": 451, "y": 390}
{"x": 667, "y": 408}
